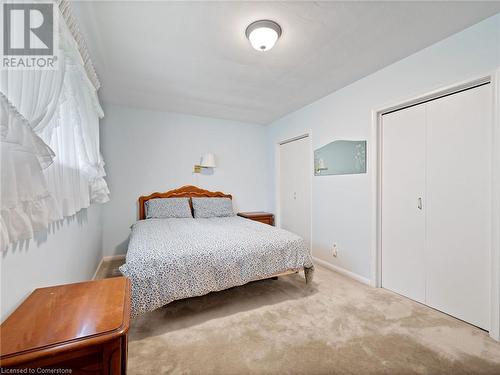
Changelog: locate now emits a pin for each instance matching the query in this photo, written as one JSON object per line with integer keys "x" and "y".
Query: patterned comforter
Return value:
{"x": 171, "y": 259}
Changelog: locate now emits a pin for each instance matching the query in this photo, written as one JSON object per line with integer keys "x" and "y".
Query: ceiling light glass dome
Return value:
{"x": 263, "y": 34}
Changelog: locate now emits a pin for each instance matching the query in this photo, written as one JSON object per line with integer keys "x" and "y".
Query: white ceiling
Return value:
{"x": 193, "y": 57}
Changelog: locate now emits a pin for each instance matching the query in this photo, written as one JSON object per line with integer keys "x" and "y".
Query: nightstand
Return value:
{"x": 263, "y": 217}
{"x": 80, "y": 327}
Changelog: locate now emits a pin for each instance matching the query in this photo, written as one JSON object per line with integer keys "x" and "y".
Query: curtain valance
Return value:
{"x": 71, "y": 23}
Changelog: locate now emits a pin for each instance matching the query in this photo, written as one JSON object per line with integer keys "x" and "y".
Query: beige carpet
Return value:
{"x": 334, "y": 326}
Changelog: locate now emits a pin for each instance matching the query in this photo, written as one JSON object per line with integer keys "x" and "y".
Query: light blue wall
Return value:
{"x": 148, "y": 151}
{"x": 68, "y": 252}
{"x": 342, "y": 205}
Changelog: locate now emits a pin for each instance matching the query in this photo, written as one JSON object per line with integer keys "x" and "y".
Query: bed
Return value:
{"x": 175, "y": 258}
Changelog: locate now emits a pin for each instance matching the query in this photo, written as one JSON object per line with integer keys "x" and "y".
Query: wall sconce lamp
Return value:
{"x": 320, "y": 166}
{"x": 207, "y": 161}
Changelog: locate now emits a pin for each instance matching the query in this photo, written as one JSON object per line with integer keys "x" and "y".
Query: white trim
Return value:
{"x": 435, "y": 94}
{"x": 277, "y": 187}
{"x": 375, "y": 156}
{"x": 375, "y": 164}
{"x": 495, "y": 220}
{"x": 294, "y": 139}
{"x": 106, "y": 259}
{"x": 97, "y": 269}
{"x": 342, "y": 271}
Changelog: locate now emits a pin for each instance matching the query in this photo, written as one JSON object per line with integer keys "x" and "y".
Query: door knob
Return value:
{"x": 419, "y": 204}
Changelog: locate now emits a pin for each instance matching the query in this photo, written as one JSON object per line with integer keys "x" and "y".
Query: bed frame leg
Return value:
{"x": 308, "y": 273}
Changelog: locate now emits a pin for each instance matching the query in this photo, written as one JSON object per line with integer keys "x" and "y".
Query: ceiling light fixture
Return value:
{"x": 263, "y": 34}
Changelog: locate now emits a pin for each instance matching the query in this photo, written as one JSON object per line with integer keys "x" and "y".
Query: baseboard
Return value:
{"x": 321, "y": 262}
{"x": 113, "y": 257}
{"x": 106, "y": 259}
{"x": 98, "y": 268}
{"x": 342, "y": 271}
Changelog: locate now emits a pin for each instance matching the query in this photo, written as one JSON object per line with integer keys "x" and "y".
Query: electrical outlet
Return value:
{"x": 335, "y": 250}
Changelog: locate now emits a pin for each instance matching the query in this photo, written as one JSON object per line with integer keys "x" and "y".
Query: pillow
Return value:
{"x": 212, "y": 207}
{"x": 168, "y": 207}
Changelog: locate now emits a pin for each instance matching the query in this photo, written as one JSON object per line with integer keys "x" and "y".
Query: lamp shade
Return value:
{"x": 208, "y": 160}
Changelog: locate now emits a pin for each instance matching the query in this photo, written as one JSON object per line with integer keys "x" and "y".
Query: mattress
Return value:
{"x": 171, "y": 259}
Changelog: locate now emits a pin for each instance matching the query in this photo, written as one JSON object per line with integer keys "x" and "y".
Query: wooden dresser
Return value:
{"x": 80, "y": 327}
{"x": 263, "y": 217}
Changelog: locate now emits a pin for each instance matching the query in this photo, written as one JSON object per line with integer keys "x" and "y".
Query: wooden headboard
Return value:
{"x": 187, "y": 191}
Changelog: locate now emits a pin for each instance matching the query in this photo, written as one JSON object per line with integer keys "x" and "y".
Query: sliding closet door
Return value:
{"x": 459, "y": 131}
{"x": 403, "y": 187}
{"x": 295, "y": 187}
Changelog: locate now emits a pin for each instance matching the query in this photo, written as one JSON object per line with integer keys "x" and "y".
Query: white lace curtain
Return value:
{"x": 51, "y": 166}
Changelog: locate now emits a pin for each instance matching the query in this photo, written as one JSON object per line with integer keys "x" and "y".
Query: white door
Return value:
{"x": 459, "y": 132}
{"x": 403, "y": 188}
{"x": 295, "y": 187}
{"x": 436, "y": 203}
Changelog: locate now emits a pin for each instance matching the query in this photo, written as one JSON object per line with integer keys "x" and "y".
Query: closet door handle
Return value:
{"x": 419, "y": 204}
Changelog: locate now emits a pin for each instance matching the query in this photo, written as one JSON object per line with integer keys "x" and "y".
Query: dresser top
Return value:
{"x": 254, "y": 214}
{"x": 66, "y": 315}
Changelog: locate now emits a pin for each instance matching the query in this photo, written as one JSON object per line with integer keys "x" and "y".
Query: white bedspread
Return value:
{"x": 171, "y": 259}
